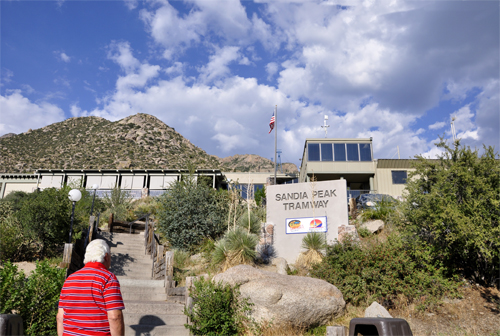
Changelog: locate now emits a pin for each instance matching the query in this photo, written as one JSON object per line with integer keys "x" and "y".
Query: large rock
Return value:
{"x": 281, "y": 265}
{"x": 285, "y": 299}
{"x": 374, "y": 225}
{"x": 376, "y": 310}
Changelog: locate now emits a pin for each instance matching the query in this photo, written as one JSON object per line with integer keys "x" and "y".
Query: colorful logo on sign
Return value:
{"x": 294, "y": 224}
{"x": 315, "y": 223}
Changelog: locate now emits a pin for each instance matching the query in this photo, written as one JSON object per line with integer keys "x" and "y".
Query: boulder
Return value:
{"x": 376, "y": 310}
{"x": 374, "y": 225}
{"x": 281, "y": 265}
{"x": 285, "y": 299}
{"x": 345, "y": 230}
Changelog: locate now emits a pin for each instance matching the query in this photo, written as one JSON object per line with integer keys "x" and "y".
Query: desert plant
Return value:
{"x": 314, "y": 244}
{"x": 364, "y": 232}
{"x": 382, "y": 210}
{"x": 118, "y": 202}
{"x": 191, "y": 212}
{"x": 34, "y": 298}
{"x": 255, "y": 225}
{"x": 453, "y": 210}
{"x": 218, "y": 309}
{"x": 383, "y": 270}
{"x": 237, "y": 247}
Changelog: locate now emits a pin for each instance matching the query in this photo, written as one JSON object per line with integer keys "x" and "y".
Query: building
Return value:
{"x": 139, "y": 182}
{"x": 323, "y": 159}
{"x": 352, "y": 160}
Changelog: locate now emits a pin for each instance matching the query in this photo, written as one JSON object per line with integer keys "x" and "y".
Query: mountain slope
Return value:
{"x": 140, "y": 141}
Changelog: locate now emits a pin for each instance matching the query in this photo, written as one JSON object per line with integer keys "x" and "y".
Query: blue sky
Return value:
{"x": 397, "y": 71}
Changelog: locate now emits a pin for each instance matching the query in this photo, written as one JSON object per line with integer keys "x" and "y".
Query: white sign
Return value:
{"x": 306, "y": 224}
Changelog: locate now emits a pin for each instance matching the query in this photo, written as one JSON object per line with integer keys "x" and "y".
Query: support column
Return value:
{"x": 372, "y": 186}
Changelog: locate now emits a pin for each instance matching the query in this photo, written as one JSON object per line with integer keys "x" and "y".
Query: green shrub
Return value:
{"x": 382, "y": 210}
{"x": 260, "y": 195}
{"x": 218, "y": 309}
{"x": 44, "y": 220}
{"x": 364, "y": 232}
{"x": 191, "y": 212}
{"x": 383, "y": 270}
{"x": 34, "y": 298}
{"x": 453, "y": 210}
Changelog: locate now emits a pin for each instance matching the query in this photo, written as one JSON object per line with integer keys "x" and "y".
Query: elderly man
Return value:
{"x": 91, "y": 302}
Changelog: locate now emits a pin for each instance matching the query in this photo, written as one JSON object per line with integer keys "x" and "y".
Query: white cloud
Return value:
{"x": 271, "y": 69}
{"x": 18, "y": 113}
{"x": 437, "y": 125}
{"x": 62, "y": 56}
{"x": 217, "y": 66}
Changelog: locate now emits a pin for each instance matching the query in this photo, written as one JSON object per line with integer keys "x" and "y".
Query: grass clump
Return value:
{"x": 315, "y": 244}
{"x": 236, "y": 248}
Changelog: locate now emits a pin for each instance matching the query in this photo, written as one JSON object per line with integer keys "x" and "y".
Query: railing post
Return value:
{"x": 169, "y": 270}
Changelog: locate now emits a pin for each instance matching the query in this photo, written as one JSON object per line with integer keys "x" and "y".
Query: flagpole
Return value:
{"x": 275, "y": 140}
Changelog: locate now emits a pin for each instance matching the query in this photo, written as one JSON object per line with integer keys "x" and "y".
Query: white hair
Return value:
{"x": 96, "y": 251}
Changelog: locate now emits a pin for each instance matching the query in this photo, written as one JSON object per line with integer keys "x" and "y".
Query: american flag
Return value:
{"x": 271, "y": 123}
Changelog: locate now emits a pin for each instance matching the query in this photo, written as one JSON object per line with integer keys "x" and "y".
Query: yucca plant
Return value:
{"x": 254, "y": 222}
{"x": 315, "y": 244}
{"x": 236, "y": 248}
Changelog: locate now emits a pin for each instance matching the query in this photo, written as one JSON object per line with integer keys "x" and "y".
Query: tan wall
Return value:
{"x": 383, "y": 180}
{"x": 26, "y": 187}
{"x": 340, "y": 167}
{"x": 245, "y": 178}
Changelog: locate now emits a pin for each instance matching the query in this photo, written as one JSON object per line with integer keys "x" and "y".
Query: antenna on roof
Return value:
{"x": 453, "y": 132}
{"x": 325, "y": 126}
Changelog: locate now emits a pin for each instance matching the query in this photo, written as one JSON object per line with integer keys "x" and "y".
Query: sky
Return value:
{"x": 396, "y": 71}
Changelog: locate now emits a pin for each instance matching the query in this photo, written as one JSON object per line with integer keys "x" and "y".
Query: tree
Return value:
{"x": 190, "y": 212}
{"x": 453, "y": 208}
{"x": 260, "y": 195}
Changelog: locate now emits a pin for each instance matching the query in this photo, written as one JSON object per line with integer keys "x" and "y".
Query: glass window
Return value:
{"x": 326, "y": 152}
{"x": 399, "y": 176}
{"x": 313, "y": 151}
{"x": 352, "y": 152}
{"x": 339, "y": 152}
{"x": 365, "y": 152}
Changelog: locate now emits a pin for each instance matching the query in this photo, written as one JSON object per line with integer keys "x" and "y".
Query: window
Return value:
{"x": 352, "y": 152}
{"x": 339, "y": 150}
{"x": 399, "y": 176}
{"x": 365, "y": 152}
{"x": 326, "y": 152}
{"x": 313, "y": 152}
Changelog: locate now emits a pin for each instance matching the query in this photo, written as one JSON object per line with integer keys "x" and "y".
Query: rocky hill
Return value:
{"x": 253, "y": 163}
{"x": 140, "y": 141}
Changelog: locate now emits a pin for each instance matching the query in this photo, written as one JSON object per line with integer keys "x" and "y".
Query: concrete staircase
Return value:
{"x": 148, "y": 309}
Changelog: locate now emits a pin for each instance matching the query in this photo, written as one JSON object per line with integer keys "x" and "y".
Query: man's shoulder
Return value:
{"x": 91, "y": 269}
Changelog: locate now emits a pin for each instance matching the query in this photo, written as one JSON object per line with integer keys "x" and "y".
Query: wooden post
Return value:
{"x": 91, "y": 228}
{"x": 68, "y": 250}
{"x": 110, "y": 223}
{"x": 169, "y": 270}
{"x": 335, "y": 331}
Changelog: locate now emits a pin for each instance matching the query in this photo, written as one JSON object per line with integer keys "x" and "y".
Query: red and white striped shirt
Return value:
{"x": 86, "y": 297}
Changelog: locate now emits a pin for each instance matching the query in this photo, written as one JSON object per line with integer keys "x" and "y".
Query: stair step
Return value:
{"x": 181, "y": 299}
{"x": 145, "y": 290}
{"x": 157, "y": 319}
{"x": 144, "y": 296}
{"x": 124, "y": 282}
{"x": 151, "y": 330}
{"x": 176, "y": 291}
{"x": 153, "y": 307}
